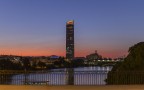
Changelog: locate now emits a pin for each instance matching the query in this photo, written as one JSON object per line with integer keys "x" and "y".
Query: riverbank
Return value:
{"x": 67, "y": 87}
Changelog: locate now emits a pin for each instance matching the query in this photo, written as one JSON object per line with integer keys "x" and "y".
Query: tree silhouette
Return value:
{"x": 131, "y": 70}
{"x": 26, "y": 63}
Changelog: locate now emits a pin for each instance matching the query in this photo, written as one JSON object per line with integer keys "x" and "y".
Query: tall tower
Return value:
{"x": 70, "y": 40}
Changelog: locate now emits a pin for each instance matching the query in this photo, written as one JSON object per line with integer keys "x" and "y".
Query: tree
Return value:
{"x": 7, "y": 64}
{"x": 130, "y": 71}
{"x": 77, "y": 62}
{"x": 41, "y": 64}
{"x": 26, "y": 63}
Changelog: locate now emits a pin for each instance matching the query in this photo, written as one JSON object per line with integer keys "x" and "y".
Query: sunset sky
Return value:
{"x": 37, "y": 27}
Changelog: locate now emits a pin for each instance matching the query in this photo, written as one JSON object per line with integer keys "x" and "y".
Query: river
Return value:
{"x": 82, "y": 76}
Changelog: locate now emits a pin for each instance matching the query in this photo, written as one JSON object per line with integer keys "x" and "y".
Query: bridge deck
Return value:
{"x": 108, "y": 87}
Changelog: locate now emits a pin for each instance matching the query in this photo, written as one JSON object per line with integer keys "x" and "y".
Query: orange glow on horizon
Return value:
{"x": 30, "y": 52}
{"x": 61, "y": 52}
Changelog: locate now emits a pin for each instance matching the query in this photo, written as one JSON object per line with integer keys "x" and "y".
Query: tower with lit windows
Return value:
{"x": 70, "y": 40}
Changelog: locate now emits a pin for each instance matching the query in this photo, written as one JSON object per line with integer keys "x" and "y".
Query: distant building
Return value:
{"x": 54, "y": 57}
{"x": 93, "y": 56}
{"x": 83, "y": 58}
{"x": 70, "y": 40}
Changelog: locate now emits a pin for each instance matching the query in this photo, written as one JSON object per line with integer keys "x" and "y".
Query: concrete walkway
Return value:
{"x": 108, "y": 87}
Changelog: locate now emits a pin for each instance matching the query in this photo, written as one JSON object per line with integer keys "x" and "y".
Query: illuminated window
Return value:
{"x": 70, "y": 27}
{"x": 70, "y": 38}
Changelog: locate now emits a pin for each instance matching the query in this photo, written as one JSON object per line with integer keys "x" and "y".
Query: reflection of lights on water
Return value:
{"x": 103, "y": 68}
{"x": 85, "y": 69}
{"x": 108, "y": 69}
{"x": 94, "y": 68}
{"x": 98, "y": 68}
{"x": 90, "y": 68}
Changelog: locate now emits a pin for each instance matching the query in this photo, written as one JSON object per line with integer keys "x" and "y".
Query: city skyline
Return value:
{"x": 37, "y": 27}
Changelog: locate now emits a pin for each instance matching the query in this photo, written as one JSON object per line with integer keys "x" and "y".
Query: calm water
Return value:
{"x": 82, "y": 76}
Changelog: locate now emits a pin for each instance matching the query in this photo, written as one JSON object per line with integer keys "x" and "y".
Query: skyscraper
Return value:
{"x": 70, "y": 40}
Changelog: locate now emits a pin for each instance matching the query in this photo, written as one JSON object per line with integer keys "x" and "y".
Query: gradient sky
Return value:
{"x": 37, "y": 27}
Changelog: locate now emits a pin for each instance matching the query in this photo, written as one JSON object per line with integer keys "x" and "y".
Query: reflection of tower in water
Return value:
{"x": 26, "y": 80}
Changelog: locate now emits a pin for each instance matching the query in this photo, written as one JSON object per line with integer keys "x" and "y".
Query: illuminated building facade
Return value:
{"x": 70, "y": 40}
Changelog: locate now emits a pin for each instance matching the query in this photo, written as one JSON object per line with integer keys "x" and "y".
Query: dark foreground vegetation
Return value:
{"x": 131, "y": 70}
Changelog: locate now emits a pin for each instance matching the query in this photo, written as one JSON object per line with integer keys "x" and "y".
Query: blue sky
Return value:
{"x": 37, "y": 27}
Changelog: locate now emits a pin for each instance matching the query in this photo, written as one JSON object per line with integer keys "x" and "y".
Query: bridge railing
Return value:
{"x": 53, "y": 77}
{"x": 125, "y": 78}
{"x": 79, "y": 78}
